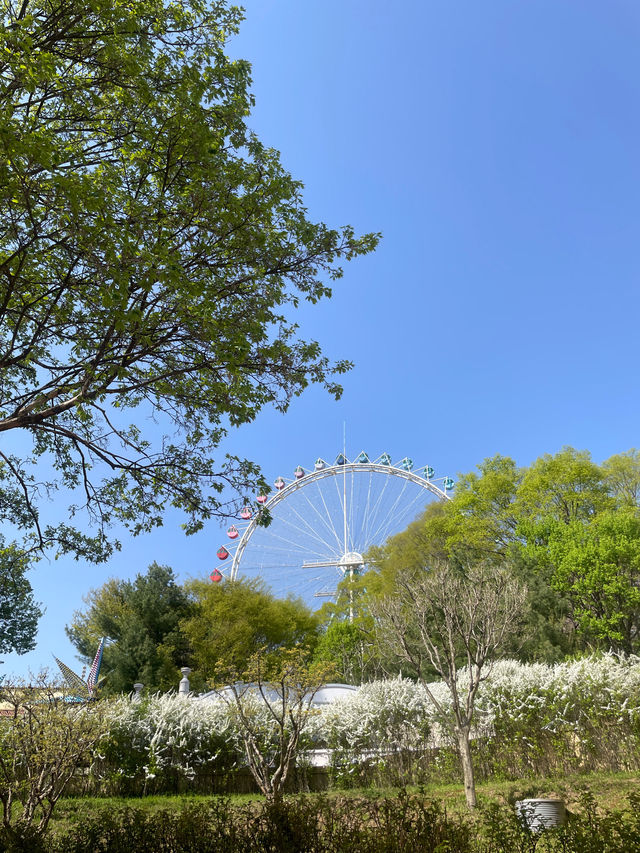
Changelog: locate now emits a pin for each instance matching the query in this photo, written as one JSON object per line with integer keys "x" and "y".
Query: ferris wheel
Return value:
{"x": 323, "y": 520}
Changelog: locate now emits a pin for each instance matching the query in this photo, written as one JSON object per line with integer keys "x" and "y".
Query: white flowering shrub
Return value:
{"x": 529, "y": 718}
{"x": 380, "y": 715}
{"x": 379, "y": 732}
{"x": 582, "y": 714}
{"x": 167, "y": 732}
{"x": 158, "y": 738}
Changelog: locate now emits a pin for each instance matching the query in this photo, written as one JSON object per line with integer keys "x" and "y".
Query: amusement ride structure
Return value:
{"x": 315, "y": 528}
{"x": 83, "y": 689}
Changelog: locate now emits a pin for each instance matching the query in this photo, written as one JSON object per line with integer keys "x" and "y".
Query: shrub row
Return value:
{"x": 531, "y": 719}
{"x": 402, "y": 824}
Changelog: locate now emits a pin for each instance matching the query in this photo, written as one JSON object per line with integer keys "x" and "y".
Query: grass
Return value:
{"x": 610, "y": 790}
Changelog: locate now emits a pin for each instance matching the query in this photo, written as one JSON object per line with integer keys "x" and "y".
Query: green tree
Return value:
{"x": 427, "y": 536}
{"x": 152, "y": 254}
{"x": 351, "y": 649}
{"x": 234, "y": 620}
{"x": 479, "y": 521}
{"x": 597, "y": 565}
{"x": 566, "y": 526}
{"x": 19, "y": 612}
{"x": 481, "y": 518}
{"x": 566, "y": 487}
{"x": 500, "y": 511}
{"x": 622, "y": 477}
{"x": 348, "y": 640}
{"x": 141, "y": 621}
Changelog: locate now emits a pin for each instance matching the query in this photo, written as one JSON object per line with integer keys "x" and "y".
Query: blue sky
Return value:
{"x": 495, "y": 146}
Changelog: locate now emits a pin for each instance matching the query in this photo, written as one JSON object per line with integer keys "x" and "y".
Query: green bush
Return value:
{"x": 21, "y": 839}
{"x": 201, "y": 828}
{"x": 406, "y": 823}
{"x": 310, "y": 824}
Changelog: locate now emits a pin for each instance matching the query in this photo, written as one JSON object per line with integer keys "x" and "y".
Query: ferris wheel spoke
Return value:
{"x": 325, "y": 522}
{"x": 367, "y": 511}
{"x": 371, "y": 509}
{"x": 341, "y": 502}
{"x": 329, "y": 527}
{"x": 384, "y": 524}
{"x": 372, "y": 520}
{"x": 351, "y": 533}
{"x": 305, "y": 584}
{"x": 409, "y": 512}
{"x": 284, "y": 567}
{"x": 321, "y": 584}
{"x": 284, "y": 553}
{"x": 329, "y": 522}
{"x": 307, "y": 532}
{"x": 290, "y": 542}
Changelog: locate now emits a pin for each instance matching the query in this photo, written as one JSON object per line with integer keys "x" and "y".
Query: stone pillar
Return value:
{"x": 184, "y": 689}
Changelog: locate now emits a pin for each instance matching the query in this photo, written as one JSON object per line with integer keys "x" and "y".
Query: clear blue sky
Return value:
{"x": 495, "y": 145}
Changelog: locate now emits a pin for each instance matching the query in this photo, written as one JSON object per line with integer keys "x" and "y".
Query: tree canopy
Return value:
{"x": 155, "y": 625}
{"x": 234, "y": 620}
{"x": 570, "y": 529}
{"x": 19, "y": 612}
{"x": 597, "y": 565}
{"x": 152, "y": 253}
{"x": 141, "y": 621}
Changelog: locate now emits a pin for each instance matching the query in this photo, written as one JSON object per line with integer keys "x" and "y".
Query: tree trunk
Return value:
{"x": 464, "y": 746}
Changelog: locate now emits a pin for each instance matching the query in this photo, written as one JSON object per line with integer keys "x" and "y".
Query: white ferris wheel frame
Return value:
{"x": 319, "y": 474}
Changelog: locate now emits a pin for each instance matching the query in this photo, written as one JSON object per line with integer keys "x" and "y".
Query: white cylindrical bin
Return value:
{"x": 539, "y": 814}
{"x": 183, "y": 689}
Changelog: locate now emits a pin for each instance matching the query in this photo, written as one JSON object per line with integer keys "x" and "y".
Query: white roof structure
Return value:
{"x": 326, "y": 695}
{"x": 331, "y": 692}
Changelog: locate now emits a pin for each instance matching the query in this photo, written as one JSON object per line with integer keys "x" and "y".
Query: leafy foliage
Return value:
{"x": 569, "y": 529}
{"x": 315, "y": 825}
{"x": 141, "y": 620}
{"x": 597, "y": 564}
{"x": 42, "y": 743}
{"x": 19, "y": 612}
{"x": 351, "y": 648}
{"x": 152, "y": 254}
{"x": 232, "y": 621}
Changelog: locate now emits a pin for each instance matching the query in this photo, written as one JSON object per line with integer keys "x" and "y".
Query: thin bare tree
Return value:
{"x": 273, "y": 706}
{"x": 453, "y": 620}
{"x": 44, "y": 739}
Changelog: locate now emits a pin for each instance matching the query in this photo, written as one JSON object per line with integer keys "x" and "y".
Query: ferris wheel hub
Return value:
{"x": 351, "y": 560}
